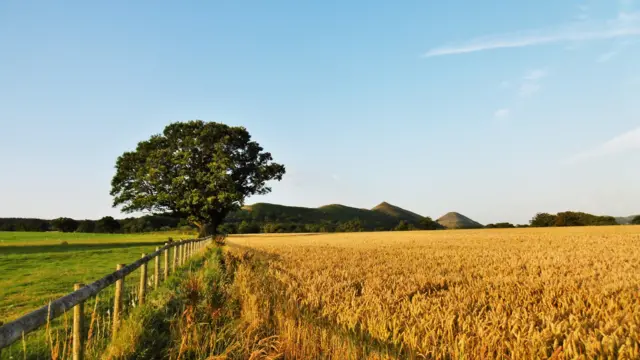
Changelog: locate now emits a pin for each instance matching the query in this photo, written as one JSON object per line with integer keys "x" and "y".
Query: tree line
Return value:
{"x": 573, "y": 218}
{"x": 250, "y": 225}
{"x": 253, "y": 226}
{"x": 107, "y": 224}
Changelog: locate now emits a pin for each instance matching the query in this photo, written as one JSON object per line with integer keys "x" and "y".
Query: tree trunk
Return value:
{"x": 210, "y": 228}
{"x": 207, "y": 230}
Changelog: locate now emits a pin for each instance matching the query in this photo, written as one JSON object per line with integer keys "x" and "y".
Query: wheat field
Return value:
{"x": 559, "y": 293}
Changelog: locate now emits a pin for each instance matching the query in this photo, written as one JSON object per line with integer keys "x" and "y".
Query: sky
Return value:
{"x": 494, "y": 109}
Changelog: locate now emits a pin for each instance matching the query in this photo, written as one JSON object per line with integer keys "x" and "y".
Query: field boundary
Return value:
{"x": 16, "y": 329}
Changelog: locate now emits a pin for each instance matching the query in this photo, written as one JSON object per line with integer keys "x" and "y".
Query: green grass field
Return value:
{"x": 37, "y": 267}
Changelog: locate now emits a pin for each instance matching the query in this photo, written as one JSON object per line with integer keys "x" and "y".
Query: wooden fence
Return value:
{"x": 15, "y": 330}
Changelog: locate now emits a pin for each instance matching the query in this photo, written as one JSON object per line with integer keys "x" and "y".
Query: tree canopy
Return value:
{"x": 500, "y": 225}
{"x": 107, "y": 225}
{"x": 571, "y": 218}
{"x": 428, "y": 223}
{"x": 64, "y": 224}
{"x": 195, "y": 170}
{"x": 636, "y": 220}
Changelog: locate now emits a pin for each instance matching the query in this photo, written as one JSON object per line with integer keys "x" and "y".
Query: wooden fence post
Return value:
{"x": 117, "y": 302}
{"x": 174, "y": 263}
{"x": 156, "y": 271}
{"x": 78, "y": 324}
{"x": 181, "y": 254}
{"x": 143, "y": 282}
{"x": 166, "y": 263}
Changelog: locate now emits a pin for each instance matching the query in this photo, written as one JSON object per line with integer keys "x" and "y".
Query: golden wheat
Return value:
{"x": 517, "y": 294}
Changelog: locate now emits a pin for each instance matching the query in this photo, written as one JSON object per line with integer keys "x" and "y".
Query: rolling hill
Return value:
{"x": 397, "y": 212}
{"x": 337, "y": 217}
{"x": 454, "y": 220}
{"x": 383, "y": 216}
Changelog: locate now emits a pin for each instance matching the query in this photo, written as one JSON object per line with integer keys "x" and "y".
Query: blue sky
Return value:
{"x": 495, "y": 109}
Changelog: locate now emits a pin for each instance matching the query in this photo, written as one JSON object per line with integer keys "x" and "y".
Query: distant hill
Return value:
{"x": 335, "y": 217}
{"x": 625, "y": 220}
{"x": 397, "y": 212}
{"x": 454, "y": 220}
{"x": 329, "y": 217}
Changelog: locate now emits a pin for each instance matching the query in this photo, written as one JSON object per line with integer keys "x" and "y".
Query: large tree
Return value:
{"x": 195, "y": 170}
{"x": 64, "y": 224}
{"x": 543, "y": 220}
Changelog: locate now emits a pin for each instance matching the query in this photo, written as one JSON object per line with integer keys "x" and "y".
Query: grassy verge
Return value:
{"x": 234, "y": 308}
{"x": 189, "y": 319}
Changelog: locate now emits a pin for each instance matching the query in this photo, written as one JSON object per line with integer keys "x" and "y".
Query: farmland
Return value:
{"x": 38, "y": 267}
{"x": 512, "y": 293}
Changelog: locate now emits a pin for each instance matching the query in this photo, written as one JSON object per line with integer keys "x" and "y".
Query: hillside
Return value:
{"x": 454, "y": 220}
{"x": 625, "y": 220}
{"x": 329, "y": 217}
{"x": 397, "y": 212}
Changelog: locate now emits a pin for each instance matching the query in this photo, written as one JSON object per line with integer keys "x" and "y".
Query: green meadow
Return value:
{"x": 37, "y": 267}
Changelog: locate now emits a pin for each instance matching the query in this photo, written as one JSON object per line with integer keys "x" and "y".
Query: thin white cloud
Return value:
{"x": 501, "y": 113}
{"x": 625, "y": 142}
{"x": 617, "y": 48}
{"x": 530, "y": 84}
{"x": 606, "y": 56}
{"x": 536, "y": 74}
{"x": 625, "y": 25}
{"x": 528, "y": 89}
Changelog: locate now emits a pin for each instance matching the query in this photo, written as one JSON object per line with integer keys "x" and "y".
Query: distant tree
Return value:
{"x": 313, "y": 228}
{"x": 327, "y": 227}
{"x": 196, "y": 170}
{"x": 246, "y": 227}
{"x": 86, "y": 226}
{"x": 543, "y": 220}
{"x": 64, "y": 224}
{"x": 502, "y": 225}
{"x": 107, "y": 225}
{"x": 427, "y": 223}
{"x": 354, "y": 225}
{"x": 572, "y": 218}
{"x": 636, "y": 220}
{"x": 272, "y": 228}
{"x": 21, "y": 224}
{"x": 568, "y": 218}
{"x": 604, "y": 220}
{"x": 228, "y": 228}
{"x": 402, "y": 226}
{"x": 134, "y": 225}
